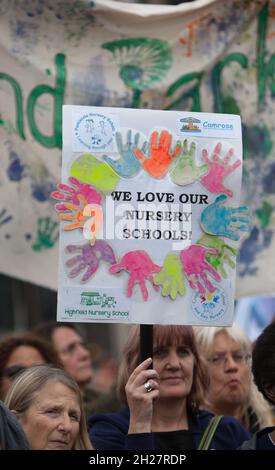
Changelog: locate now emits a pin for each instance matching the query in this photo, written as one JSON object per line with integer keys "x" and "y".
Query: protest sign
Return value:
{"x": 150, "y": 216}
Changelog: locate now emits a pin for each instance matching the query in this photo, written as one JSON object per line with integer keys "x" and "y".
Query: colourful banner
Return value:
{"x": 206, "y": 56}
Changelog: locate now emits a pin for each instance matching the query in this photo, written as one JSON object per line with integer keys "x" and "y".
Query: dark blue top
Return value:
{"x": 260, "y": 441}
{"x": 108, "y": 431}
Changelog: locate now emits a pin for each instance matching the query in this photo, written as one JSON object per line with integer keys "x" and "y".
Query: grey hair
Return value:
{"x": 205, "y": 336}
{"x": 26, "y": 385}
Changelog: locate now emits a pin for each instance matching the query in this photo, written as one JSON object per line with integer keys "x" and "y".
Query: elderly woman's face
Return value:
{"x": 52, "y": 420}
{"x": 229, "y": 373}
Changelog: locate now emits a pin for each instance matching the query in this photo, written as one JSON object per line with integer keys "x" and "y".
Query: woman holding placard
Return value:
{"x": 163, "y": 395}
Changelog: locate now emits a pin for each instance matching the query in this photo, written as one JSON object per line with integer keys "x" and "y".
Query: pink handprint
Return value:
{"x": 218, "y": 168}
{"x": 70, "y": 194}
{"x": 195, "y": 267}
{"x": 89, "y": 258}
{"x": 140, "y": 267}
{"x": 161, "y": 155}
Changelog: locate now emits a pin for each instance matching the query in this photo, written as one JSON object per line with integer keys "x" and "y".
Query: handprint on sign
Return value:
{"x": 195, "y": 267}
{"x": 218, "y": 169}
{"x": 89, "y": 257}
{"x": 86, "y": 217}
{"x": 140, "y": 266}
{"x": 127, "y": 165}
{"x": 70, "y": 194}
{"x": 76, "y": 217}
{"x": 184, "y": 169}
{"x": 226, "y": 253}
{"x": 170, "y": 277}
{"x": 90, "y": 170}
{"x": 225, "y": 221}
{"x": 161, "y": 155}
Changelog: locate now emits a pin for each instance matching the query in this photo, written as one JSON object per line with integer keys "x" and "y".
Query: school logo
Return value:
{"x": 189, "y": 125}
{"x": 95, "y": 298}
{"x": 94, "y": 132}
{"x": 209, "y": 307}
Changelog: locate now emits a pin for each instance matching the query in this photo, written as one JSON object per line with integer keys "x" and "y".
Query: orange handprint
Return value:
{"x": 161, "y": 155}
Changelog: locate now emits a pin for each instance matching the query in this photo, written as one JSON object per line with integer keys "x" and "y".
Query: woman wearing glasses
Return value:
{"x": 162, "y": 395}
{"x": 232, "y": 390}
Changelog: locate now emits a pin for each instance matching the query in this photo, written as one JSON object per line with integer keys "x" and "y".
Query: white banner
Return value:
{"x": 206, "y": 56}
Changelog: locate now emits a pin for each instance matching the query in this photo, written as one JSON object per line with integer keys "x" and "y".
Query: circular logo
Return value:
{"x": 95, "y": 131}
{"x": 209, "y": 306}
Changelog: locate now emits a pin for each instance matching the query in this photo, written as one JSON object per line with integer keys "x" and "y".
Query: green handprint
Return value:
{"x": 225, "y": 255}
{"x": 47, "y": 234}
{"x": 88, "y": 169}
{"x": 184, "y": 170}
{"x": 170, "y": 277}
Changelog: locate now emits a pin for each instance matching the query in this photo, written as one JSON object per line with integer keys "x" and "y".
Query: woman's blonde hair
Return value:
{"x": 26, "y": 386}
{"x": 205, "y": 336}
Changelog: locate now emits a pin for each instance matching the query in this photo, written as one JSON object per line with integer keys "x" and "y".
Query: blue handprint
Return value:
{"x": 225, "y": 221}
{"x": 255, "y": 244}
{"x": 16, "y": 170}
{"x": 41, "y": 190}
{"x": 127, "y": 165}
{"x": 4, "y": 217}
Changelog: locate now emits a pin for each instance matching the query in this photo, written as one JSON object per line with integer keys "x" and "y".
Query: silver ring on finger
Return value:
{"x": 148, "y": 387}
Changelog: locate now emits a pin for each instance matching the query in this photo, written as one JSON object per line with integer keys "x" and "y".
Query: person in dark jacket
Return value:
{"x": 163, "y": 395}
{"x": 263, "y": 368}
{"x": 12, "y": 436}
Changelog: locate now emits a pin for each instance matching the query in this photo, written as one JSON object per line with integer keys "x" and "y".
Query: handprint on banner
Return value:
{"x": 16, "y": 169}
{"x": 47, "y": 234}
{"x": 127, "y": 165}
{"x": 184, "y": 169}
{"x": 41, "y": 190}
{"x": 161, "y": 155}
{"x": 70, "y": 194}
{"x": 170, "y": 277}
{"x": 218, "y": 168}
{"x": 89, "y": 257}
{"x": 195, "y": 267}
{"x": 140, "y": 266}
{"x": 225, "y": 221}
{"x": 5, "y": 217}
{"x": 226, "y": 253}
{"x": 88, "y": 169}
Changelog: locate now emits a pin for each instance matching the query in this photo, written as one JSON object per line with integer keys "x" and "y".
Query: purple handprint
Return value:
{"x": 217, "y": 170}
{"x": 196, "y": 267}
{"x": 140, "y": 267}
{"x": 89, "y": 258}
{"x": 70, "y": 194}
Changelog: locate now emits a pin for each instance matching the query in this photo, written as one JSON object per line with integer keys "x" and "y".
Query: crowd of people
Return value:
{"x": 196, "y": 378}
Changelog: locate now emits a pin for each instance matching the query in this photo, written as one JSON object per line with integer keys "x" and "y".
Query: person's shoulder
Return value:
{"x": 261, "y": 440}
{"x": 204, "y": 416}
{"x": 231, "y": 421}
{"x": 228, "y": 427}
{"x": 119, "y": 418}
{"x": 232, "y": 425}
